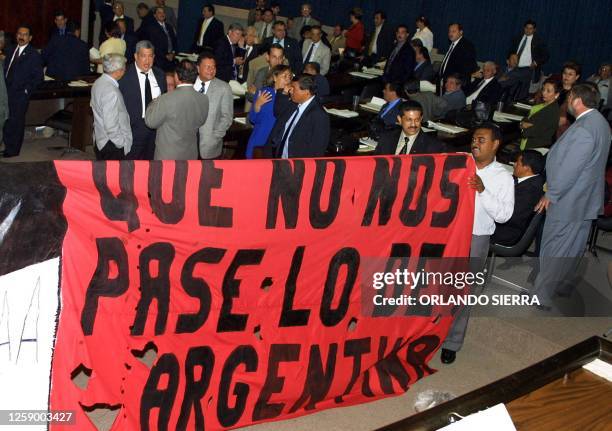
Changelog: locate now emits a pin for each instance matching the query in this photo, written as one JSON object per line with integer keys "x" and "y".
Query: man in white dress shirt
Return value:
{"x": 316, "y": 51}
{"x": 532, "y": 55}
{"x": 265, "y": 27}
{"x": 113, "y": 136}
{"x": 494, "y": 203}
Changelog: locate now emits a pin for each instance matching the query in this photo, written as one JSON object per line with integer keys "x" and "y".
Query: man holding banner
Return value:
{"x": 494, "y": 203}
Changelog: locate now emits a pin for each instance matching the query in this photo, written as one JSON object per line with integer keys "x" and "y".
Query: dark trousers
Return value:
{"x": 143, "y": 144}
{"x": 14, "y": 128}
{"x": 109, "y": 152}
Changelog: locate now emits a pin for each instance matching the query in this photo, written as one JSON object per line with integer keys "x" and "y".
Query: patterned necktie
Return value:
{"x": 203, "y": 88}
{"x": 405, "y": 149}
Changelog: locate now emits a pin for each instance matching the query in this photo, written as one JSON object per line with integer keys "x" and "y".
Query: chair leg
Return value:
{"x": 490, "y": 267}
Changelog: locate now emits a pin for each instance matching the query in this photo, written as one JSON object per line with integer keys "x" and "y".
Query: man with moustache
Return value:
{"x": 494, "y": 203}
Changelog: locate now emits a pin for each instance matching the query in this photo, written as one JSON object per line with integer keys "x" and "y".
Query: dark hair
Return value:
{"x": 410, "y": 105}
{"x": 275, "y": 71}
{"x": 425, "y": 52}
{"x": 73, "y": 26}
{"x": 357, "y": 12}
{"x": 306, "y": 82}
{"x": 279, "y": 22}
{"x": 275, "y": 4}
{"x": 534, "y": 160}
{"x": 572, "y": 65}
{"x": 142, "y": 5}
{"x": 28, "y": 26}
{"x": 112, "y": 29}
{"x": 424, "y": 20}
{"x": 555, "y": 83}
{"x": 496, "y": 133}
{"x": 457, "y": 24}
{"x": 416, "y": 43}
{"x": 268, "y": 10}
{"x": 210, "y": 7}
{"x": 317, "y": 66}
{"x": 304, "y": 30}
{"x": 316, "y": 27}
{"x": 186, "y": 72}
{"x": 588, "y": 93}
{"x": 530, "y": 22}
{"x": 382, "y": 13}
{"x": 456, "y": 77}
{"x": 206, "y": 54}
{"x": 275, "y": 46}
{"x": 58, "y": 12}
{"x": 404, "y": 26}
{"x": 339, "y": 25}
{"x": 394, "y": 86}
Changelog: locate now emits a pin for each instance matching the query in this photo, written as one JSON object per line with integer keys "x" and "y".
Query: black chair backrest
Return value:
{"x": 523, "y": 244}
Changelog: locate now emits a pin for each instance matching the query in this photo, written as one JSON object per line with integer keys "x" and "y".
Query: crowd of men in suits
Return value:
{"x": 147, "y": 104}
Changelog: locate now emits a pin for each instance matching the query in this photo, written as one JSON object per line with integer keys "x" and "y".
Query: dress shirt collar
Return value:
{"x": 22, "y": 48}
{"x": 456, "y": 42}
{"x": 113, "y": 80}
{"x": 115, "y": 18}
{"x": 140, "y": 71}
{"x": 402, "y": 142}
{"x": 520, "y": 180}
{"x": 184, "y": 85}
{"x": 302, "y": 107}
{"x": 583, "y": 114}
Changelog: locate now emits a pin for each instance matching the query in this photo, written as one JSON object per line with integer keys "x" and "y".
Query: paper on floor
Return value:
{"x": 601, "y": 368}
{"x": 495, "y": 418}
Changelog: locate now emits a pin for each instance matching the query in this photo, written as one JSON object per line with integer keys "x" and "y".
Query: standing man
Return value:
{"x": 460, "y": 57}
{"x": 170, "y": 15}
{"x": 259, "y": 4}
{"x": 225, "y": 54}
{"x": 575, "y": 179}
{"x": 141, "y": 84}
{"x": 162, "y": 36}
{"x": 209, "y": 29}
{"x": 494, "y": 203}
{"x": 274, "y": 56}
{"x": 178, "y": 115}
{"x": 303, "y": 20}
{"x": 60, "y": 20}
{"x": 290, "y": 45}
{"x": 401, "y": 61}
{"x": 220, "y": 107}
{"x": 23, "y": 68}
{"x": 112, "y": 133}
{"x": 119, "y": 11}
{"x": 532, "y": 55}
{"x": 381, "y": 41}
{"x": 316, "y": 51}
{"x": 303, "y": 129}
{"x": 129, "y": 38}
{"x": 410, "y": 139}
{"x": 265, "y": 27}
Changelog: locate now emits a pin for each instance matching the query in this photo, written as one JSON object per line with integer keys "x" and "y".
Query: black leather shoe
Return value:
{"x": 448, "y": 356}
{"x": 8, "y": 155}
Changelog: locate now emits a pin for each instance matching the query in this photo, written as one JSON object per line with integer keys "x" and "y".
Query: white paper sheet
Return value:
{"x": 495, "y": 418}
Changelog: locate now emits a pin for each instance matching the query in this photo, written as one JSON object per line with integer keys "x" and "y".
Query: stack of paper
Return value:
{"x": 506, "y": 116}
{"x": 241, "y": 120}
{"x": 366, "y": 145}
{"x": 496, "y": 418}
{"x": 362, "y": 75}
{"x": 188, "y": 56}
{"x": 448, "y": 128}
{"x": 375, "y": 104}
{"x": 78, "y": 83}
{"x": 523, "y": 105}
{"x": 344, "y": 113}
{"x": 48, "y": 78}
{"x": 238, "y": 89}
{"x": 373, "y": 71}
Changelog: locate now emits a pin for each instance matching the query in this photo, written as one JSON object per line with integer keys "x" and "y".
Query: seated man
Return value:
{"x": 453, "y": 94}
{"x": 485, "y": 88}
{"x": 423, "y": 70}
{"x": 322, "y": 83}
{"x": 434, "y": 106}
{"x": 409, "y": 139}
{"x": 386, "y": 119}
{"x": 528, "y": 189}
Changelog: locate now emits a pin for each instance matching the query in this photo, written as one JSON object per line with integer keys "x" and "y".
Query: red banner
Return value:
{"x": 244, "y": 278}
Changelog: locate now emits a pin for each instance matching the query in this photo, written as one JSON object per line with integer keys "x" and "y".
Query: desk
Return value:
{"x": 82, "y": 117}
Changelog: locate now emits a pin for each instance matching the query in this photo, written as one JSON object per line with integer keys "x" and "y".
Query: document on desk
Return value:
{"x": 238, "y": 89}
{"x": 495, "y": 418}
{"x": 601, "y": 368}
{"x": 79, "y": 83}
{"x": 500, "y": 116}
{"x": 366, "y": 145}
{"x": 188, "y": 56}
{"x": 241, "y": 120}
{"x": 448, "y": 128}
{"x": 375, "y": 104}
{"x": 523, "y": 106}
{"x": 344, "y": 113}
{"x": 362, "y": 75}
{"x": 427, "y": 86}
{"x": 373, "y": 71}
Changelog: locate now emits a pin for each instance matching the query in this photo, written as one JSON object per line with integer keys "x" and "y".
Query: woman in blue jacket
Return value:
{"x": 261, "y": 115}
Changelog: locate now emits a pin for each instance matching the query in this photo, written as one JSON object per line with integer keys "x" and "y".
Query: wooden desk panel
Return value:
{"x": 579, "y": 401}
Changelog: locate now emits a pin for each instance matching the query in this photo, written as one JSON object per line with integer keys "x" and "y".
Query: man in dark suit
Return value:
{"x": 380, "y": 43}
{"x": 66, "y": 57}
{"x": 386, "y": 119}
{"x": 141, "y": 84}
{"x": 485, "y": 88}
{"x": 532, "y": 55}
{"x": 400, "y": 64}
{"x": 528, "y": 189}
{"x": 249, "y": 51}
{"x": 208, "y": 31}
{"x": 293, "y": 53}
{"x": 119, "y": 13}
{"x": 460, "y": 57}
{"x": 105, "y": 9}
{"x": 23, "y": 67}
{"x": 60, "y": 20}
{"x": 423, "y": 70}
{"x": 303, "y": 129}
{"x": 162, "y": 36}
{"x": 130, "y": 39}
{"x": 409, "y": 139}
{"x": 314, "y": 69}
{"x": 226, "y": 53}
